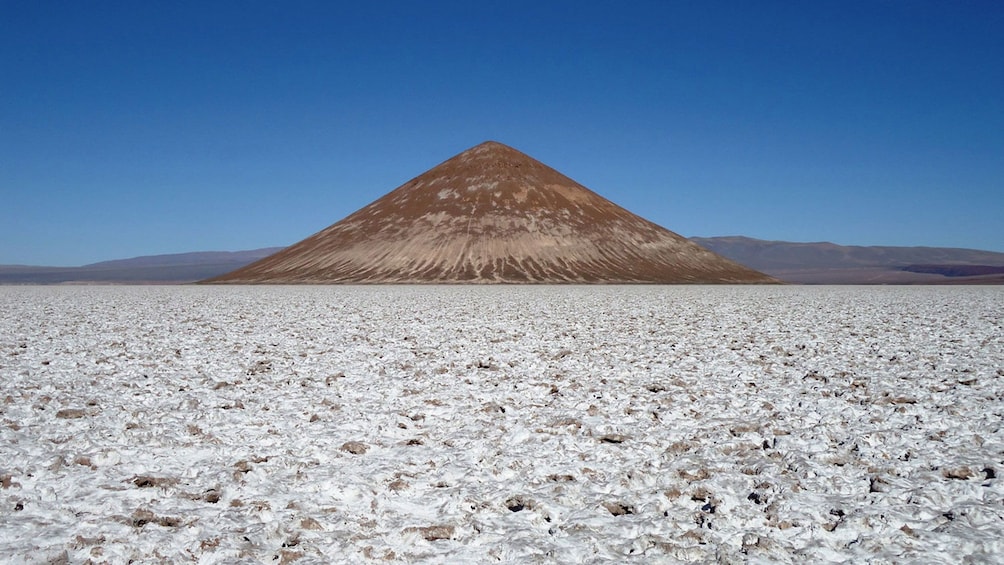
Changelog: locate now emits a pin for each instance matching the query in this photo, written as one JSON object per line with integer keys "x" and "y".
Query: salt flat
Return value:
{"x": 513, "y": 424}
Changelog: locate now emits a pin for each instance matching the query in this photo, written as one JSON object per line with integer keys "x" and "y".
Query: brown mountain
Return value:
{"x": 493, "y": 215}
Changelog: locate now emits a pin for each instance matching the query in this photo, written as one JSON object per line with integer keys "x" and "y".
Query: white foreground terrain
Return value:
{"x": 515, "y": 424}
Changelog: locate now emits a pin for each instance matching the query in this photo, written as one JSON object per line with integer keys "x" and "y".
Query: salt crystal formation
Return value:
{"x": 518, "y": 424}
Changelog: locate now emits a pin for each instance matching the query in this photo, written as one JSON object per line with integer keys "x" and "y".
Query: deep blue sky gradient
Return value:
{"x": 135, "y": 128}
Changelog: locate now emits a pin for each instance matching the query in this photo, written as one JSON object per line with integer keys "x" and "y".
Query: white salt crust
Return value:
{"x": 514, "y": 424}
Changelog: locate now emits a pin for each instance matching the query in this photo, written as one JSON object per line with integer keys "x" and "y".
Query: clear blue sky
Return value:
{"x": 135, "y": 128}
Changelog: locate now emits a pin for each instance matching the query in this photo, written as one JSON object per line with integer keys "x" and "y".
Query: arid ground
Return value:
{"x": 515, "y": 424}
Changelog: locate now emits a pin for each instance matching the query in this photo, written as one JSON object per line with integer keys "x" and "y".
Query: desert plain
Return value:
{"x": 521, "y": 424}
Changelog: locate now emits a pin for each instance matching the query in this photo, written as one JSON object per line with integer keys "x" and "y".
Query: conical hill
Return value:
{"x": 493, "y": 215}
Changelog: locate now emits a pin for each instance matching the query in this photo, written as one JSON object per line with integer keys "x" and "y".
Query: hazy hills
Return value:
{"x": 829, "y": 263}
{"x": 164, "y": 269}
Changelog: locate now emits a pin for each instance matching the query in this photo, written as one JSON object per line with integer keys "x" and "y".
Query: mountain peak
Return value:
{"x": 491, "y": 150}
{"x": 491, "y": 144}
{"x": 491, "y": 157}
{"x": 492, "y": 214}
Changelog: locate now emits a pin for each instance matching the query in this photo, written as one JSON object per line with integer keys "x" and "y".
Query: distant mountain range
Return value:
{"x": 800, "y": 263}
{"x": 829, "y": 263}
{"x": 152, "y": 269}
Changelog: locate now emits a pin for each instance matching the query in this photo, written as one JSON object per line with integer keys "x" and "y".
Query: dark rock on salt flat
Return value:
{"x": 433, "y": 533}
{"x": 355, "y": 447}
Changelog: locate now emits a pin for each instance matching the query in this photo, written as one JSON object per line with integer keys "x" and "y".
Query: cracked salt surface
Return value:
{"x": 516, "y": 424}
